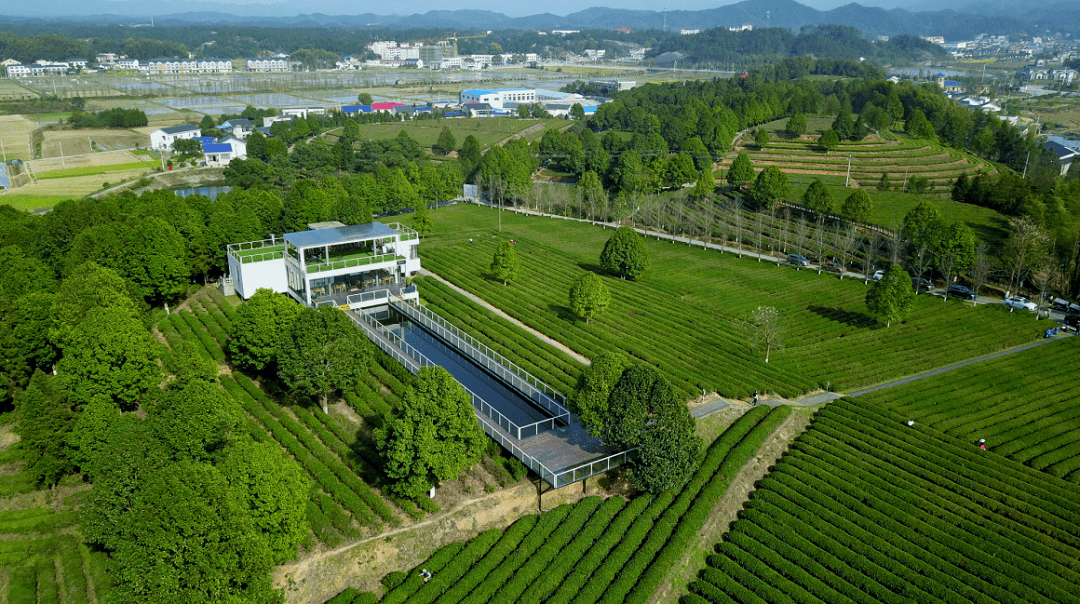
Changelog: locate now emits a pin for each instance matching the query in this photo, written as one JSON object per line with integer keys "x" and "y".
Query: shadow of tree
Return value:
{"x": 847, "y": 317}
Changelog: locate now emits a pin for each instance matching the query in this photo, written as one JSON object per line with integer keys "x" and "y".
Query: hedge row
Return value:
{"x": 509, "y": 541}
{"x": 323, "y": 475}
{"x": 655, "y": 562}
{"x": 567, "y": 560}
{"x": 47, "y": 590}
{"x": 540, "y": 561}
{"x": 184, "y": 330}
{"x": 208, "y": 342}
{"x": 451, "y": 573}
{"x": 490, "y": 587}
{"x": 212, "y": 327}
{"x": 867, "y": 509}
{"x": 320, "y": 524}
{"x": 74, "y": 581}
{"x": 413, "y": 581}
{"x": 22, "y": 585}
{"x": 371, "y": 498}
{"x": 35, "y": 520}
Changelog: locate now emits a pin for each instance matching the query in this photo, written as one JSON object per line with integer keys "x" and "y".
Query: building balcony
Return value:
{"x": 343, "y": 261}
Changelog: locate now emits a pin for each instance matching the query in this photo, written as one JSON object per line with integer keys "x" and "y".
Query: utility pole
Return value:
{"x": 847, "y": 179}
{"x": 62, "y": 164}
{"x": 1026, "y": 164}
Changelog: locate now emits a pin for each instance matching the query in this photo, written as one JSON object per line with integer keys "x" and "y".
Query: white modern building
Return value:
{"x": 163, "y": 138}
{"x": 359, "y": 266}
{"x": 497, "y": 96}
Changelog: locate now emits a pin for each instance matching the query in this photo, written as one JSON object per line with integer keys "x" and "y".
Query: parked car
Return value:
{"x": 797, "y": 260}
{"x": 1072, "y": 320}
{"x": 878, "y": 276}
{"x": 923, "y": 284}
{"x": 833, "y": 267}
{"x": 1065, "y": 306}
{"x": 960, "y": 291}
{"x": 1020, "y": 302}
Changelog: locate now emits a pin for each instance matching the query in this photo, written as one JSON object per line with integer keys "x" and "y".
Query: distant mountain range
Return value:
{"x": 961, "y": 19}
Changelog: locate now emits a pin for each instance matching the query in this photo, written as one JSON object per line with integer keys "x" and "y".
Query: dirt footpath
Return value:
{"x": 323, "y": 575}
{"x": 726, "y": 509}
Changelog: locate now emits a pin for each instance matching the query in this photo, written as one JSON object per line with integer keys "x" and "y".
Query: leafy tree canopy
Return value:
{"x": 891, "y": 298}
{"x": 589, "y": 296}
{"x": 257, "y": 330}
{"x": 504, "y": 265}
{"x": 624, "y": 254}
{"x": 322, "y": 354}
{"x": 431, "y": 436}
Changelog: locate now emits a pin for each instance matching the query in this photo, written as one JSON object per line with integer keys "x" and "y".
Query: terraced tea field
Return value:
{"x": 897, "y": 155}
{"x": 42, "y": 558}
{"x": 1024, "y": 405}
{"x": 596, "y": 550}
{"x": 867, "y": 509}
{"x": 683, "y": 315}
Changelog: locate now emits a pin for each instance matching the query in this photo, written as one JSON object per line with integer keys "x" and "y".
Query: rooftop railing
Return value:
{"x": 257, "y": 251}
{"x": 361, "y": 260}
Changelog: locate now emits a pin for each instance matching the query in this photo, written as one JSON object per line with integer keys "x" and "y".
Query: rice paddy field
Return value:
{"x": 78, "y": 142}
{"x": 15, "y": 131}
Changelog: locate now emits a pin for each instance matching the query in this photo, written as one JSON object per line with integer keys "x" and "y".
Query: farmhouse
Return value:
{"x": 164, "y": 138}
{"x": 241, "y": 128}
{"x": 358, "y": 266}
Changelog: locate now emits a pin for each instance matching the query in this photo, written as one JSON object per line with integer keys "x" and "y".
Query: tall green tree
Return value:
{"x": 45, "y": 419}
{"x": 589, "y": 296}
{"x": 705, "y": 187}
{"x": 741, "y": 170}
{"x": 644, "y": 411}
{"x": 109, "y": 354}
{"x": 819, "y": 199}
{"x": 258, "y": 327}
{"x": 918, "y": 126}
{"x": 857, "y": 206}
{"x": 275, "y": 491}
{"x": 796, "y": 125}
{"x": 89, "y": 287}
{"x": 590, "y": 400}
{"x": 364, "y": 98}
{"x": 770, "y": 187}
{"x": 431, "y": 436}
{"x": 923, "y": 225}
{"x": 829, "y": 140}
{"x": 761, "y": 138}
{"x": 323, "y": 353}
{"x": 891, "y": 298}
{"x": 504, "y": 265}
{"x": 624, "y": 254}
{"x": 192, "y": 421}
{"x": 422, "y": 219}
{"x": 843, "y": 125}
{"x": 446, "y": 141}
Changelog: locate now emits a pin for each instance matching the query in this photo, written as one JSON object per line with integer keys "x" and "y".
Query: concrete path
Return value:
{"x": 941, "y": 370}
{"x": 708, "y": 408}
{"x": 485, "y": 304}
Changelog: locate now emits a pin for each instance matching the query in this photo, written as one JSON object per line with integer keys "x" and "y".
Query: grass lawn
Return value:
{"x": 685, "y": 313}
{"x": 91, "y": 170}
{"x": 23, "y": 201}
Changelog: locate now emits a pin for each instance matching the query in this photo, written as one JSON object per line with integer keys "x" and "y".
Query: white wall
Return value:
{"x": 251, "y": 276}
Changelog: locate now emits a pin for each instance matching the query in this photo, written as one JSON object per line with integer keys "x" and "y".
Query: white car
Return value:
{"x": 1020, "y": 302}
{"x": 878, "y": 276}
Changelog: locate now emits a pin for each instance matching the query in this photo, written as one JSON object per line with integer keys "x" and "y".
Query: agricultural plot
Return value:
{"x": 73, "y": 187}
{"x": 42, "y": 558}
{"x": 78, "y": 142}
{"x": 15, "y": 131}
{"x": 900, "y": 157}
{"x": 609, "y": 551}
{"x": 10, "y": 90}
{"x": 684, "y": 314}
{"x": 864, "y": 508}
{"x": 66, "y": 87}
{"x": 1024, "y": 405}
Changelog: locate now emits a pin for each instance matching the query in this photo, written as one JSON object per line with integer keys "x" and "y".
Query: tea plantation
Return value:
{"x": 864, "y": 508}
{"x": 684, "y": 314}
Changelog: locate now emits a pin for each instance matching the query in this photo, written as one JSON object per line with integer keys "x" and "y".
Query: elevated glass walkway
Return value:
{"x": 524, "y": 415}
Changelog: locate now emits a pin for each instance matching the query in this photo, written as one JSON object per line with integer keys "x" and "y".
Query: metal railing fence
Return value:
{"x": 536, "y": 390}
